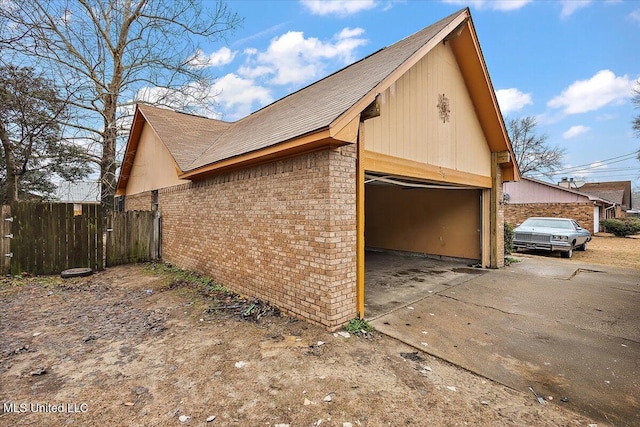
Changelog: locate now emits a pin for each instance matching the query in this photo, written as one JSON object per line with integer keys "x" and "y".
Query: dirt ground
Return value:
{"x": 134, "y": 346}
{"x": 614, "y": 251}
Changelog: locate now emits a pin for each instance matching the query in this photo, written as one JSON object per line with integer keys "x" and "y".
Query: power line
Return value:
{"x": 599, "y": 162}
{"x": 603, "y": 170}
{"x": 593, "y": 165}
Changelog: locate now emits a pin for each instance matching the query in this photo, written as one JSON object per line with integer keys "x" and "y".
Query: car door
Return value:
{"x": 581, "y": 234}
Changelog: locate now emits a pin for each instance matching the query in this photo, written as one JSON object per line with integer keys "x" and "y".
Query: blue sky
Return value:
{"x": 571, "y": 64}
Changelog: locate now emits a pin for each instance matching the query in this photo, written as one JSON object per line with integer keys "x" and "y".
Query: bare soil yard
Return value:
{"x": 606, "y": 249}
{"x": 134, "y": 346}
{"x": 614, "y": 251}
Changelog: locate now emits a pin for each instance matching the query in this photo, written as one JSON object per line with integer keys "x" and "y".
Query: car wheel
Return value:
{"x": 567, "y": 254}
{"x": 582, "y": 247}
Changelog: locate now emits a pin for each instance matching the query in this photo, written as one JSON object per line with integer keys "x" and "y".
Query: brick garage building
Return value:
{"x": 530, "y": 197}
{"x": 277, "y": 204}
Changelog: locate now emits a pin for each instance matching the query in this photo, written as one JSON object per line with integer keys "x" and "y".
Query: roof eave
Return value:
{"x": 130, "y": 151}
{"x": 319, "y": 139}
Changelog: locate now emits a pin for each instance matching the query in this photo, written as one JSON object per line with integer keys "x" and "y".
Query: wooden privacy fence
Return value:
{"x": 47, "y": 238}
{"x": 133, "y": 236}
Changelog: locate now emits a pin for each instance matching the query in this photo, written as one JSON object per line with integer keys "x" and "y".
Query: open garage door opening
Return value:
{"x": 420, "y": 237}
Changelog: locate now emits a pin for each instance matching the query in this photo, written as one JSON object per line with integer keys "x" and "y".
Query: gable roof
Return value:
{"x": 616, "y": 191}
{"x": 186, "y": 136}
{"x": 316, "y": 106}
{"x": 590, "y": 197}
{"x": 319, "y": 112}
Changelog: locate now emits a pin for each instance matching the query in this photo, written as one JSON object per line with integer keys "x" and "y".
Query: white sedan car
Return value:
{"x": 551, "y": 234}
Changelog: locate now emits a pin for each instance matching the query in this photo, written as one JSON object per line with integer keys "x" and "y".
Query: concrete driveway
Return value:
{"x": 566, "y": 329}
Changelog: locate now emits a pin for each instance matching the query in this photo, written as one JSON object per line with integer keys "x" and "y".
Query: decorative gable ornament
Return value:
{"x": 443, "y": 108}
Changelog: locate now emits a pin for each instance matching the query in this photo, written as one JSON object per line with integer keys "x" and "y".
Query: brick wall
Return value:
{"x": 581, "y": 212}
{"x": 284, "y": 232}
{"x": 138, "y": 202}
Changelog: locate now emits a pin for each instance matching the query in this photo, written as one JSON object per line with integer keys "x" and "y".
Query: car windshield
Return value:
{"x": 548, "y": 223}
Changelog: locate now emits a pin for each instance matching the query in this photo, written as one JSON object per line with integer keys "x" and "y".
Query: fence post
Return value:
{"x": 6, "y": 236}
{"x": 156, "y": 245}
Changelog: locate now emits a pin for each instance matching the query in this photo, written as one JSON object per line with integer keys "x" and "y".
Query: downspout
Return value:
{"x": 613, "y": 206}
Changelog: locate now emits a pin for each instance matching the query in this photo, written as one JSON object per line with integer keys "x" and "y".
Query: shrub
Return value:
{"x": 508, "y": 238}
{"x": 621, "y": 227}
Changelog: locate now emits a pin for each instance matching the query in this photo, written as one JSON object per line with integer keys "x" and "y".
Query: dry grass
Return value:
{"x": 606, "y": 249}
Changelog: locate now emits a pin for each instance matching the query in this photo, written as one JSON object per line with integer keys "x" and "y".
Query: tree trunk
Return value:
{"x": 11, "y": 194}
{"x": 108, "y": 163}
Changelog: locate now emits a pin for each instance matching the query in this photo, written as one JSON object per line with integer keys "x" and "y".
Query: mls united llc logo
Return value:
{"x": 24, "y": 407}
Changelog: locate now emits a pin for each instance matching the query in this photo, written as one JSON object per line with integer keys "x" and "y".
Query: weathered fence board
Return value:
{"x": 5, "y": 232}
{"x": 47, "y": 238}
{"x": 50, "y": 237}
{"x": 133, "y": 237}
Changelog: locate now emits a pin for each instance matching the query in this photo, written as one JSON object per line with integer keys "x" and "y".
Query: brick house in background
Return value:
{"x": 277, "y": 204}
{"x": 531, "y": 197}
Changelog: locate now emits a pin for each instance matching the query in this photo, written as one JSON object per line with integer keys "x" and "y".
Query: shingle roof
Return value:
{"x": 195, "y": 141}
{"x": 614, "y": 191}
{"x": 615, "y": 196}
{"x": 186, "y": 136}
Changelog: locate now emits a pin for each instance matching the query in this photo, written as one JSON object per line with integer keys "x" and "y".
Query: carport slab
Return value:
{"x": 563, "y": 328}
{"x": 394, "y": 280}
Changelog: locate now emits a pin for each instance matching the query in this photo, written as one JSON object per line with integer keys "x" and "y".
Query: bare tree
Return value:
{"x": 532, "y": 152}
{"x": 33, "y": 150}
{"x": 112, "y": 54}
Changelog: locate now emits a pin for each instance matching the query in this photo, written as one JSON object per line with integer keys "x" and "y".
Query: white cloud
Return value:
{"x": 589, "y": 95}
{"x": 293, "y": 59}
{"x": 491, "y": 4}
{"x": 349, "y": 33}
{"x": 254, "y": 72}
{"x": 338, "y": 7}
{"x": 575, "y": 131}
{"x": 635, "y": 16}
{"x": 512, "y": 99}
{"x": 223, "y": 56}
{"x": 570, "y": 6}
{"x": 238, "y": 96}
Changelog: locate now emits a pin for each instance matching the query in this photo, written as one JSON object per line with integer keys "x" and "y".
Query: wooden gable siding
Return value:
{"x": 410, "y": 127}
{"x": 525, "y": 191}
{"x": 154, "y": 167}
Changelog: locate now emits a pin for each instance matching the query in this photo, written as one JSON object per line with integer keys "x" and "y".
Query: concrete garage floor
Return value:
{"x": 393, "y": 280}
{"x": 564, "y": 328}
